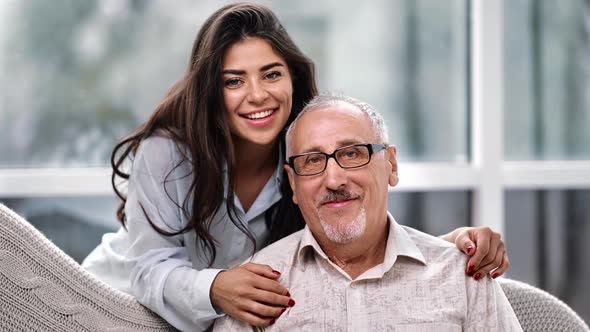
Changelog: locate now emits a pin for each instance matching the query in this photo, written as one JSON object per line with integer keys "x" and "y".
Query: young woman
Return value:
{"x": 206, "y": 187}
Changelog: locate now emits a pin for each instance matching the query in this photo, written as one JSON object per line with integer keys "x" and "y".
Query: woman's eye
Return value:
{"x": 232, "y": 82}
{"x": 273, "y": 75}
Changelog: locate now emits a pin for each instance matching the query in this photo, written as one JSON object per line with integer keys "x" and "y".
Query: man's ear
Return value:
{"x": 393, "y": 177}
{"x": 291, "y": 175}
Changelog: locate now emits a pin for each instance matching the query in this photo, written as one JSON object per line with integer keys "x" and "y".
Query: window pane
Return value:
{"x": 75, "y": 225}
{"x": 546, "y": 236}
{"x": 79, "y": 75}
{"x": 547, "y": 79}
{"x": 435, "y": 213}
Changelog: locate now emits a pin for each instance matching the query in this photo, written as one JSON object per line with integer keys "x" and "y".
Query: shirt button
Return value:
{"x": 352, "y": 285}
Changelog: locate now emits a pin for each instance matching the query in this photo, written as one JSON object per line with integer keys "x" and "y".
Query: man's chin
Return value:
{"x": 348, "y": 211}
{"x": 343, "y": 231}
{"x": 339, "y": 221}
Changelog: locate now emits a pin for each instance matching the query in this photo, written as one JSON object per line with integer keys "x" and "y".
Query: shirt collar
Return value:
{"x": 308, "y": 244}
{"x": 399, "y": 243}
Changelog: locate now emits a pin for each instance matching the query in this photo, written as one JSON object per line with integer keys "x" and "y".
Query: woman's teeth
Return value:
{"x": 259, "y": 115}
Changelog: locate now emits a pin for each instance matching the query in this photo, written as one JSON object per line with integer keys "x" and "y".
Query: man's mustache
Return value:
{"x": 338, "y": 195}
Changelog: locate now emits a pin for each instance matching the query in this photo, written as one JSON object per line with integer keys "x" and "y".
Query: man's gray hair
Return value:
{"x": 326, "y": 100}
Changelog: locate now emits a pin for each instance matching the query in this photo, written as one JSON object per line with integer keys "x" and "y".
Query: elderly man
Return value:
{"x": 353, "y": 268}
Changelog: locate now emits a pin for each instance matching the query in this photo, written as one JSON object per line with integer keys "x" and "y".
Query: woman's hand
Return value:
{"x": 251, "y": 293}
{"x": 486, "y": 248}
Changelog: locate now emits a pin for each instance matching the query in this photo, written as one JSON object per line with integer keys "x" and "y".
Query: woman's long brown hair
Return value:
{"x": 193, "y": 115}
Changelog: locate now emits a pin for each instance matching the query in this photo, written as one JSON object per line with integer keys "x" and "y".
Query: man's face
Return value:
{"x": 341, "y": 205}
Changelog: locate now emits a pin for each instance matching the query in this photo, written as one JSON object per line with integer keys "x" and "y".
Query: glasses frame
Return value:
{"x": 372, "y": 147}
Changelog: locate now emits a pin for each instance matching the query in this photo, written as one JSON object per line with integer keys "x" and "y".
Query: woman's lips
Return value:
{"x": 262, "y": 118}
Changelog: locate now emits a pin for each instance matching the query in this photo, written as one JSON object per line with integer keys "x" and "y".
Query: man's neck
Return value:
{"x": 360, "y": 255}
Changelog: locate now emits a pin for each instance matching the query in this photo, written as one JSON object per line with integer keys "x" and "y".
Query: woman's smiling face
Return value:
{"x": 257, "y": 91}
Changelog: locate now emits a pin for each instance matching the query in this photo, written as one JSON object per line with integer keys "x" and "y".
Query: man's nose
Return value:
{"x": 335, "y": 177}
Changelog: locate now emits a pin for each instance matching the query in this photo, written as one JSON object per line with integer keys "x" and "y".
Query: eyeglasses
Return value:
{"x": 351, "y": 156}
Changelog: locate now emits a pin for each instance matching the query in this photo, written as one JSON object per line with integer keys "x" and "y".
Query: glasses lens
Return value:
{"x": 353, "y": 156}
{"x": 309, "y": 163}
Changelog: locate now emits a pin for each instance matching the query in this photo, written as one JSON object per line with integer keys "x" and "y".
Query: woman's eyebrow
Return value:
{"x": 234, "y": 71}
{"x": 242, "y": 72}
{"x": 271, "y": 65}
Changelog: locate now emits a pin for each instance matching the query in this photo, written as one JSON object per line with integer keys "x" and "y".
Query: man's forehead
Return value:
{"x": 332, "y": 127}
{"x": 342, "y": 112}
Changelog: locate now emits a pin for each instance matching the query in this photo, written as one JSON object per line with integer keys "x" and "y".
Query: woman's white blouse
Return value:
{"x": 170, "y": 275}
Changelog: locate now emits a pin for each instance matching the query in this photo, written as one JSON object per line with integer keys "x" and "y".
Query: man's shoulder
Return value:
{"x": 280, "y": 253}
{"x": 421, "y": 238}
{"x": 434, "y": 248}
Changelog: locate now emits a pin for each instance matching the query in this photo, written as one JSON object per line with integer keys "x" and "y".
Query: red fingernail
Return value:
{"x": 288, "y": 294}
{"x": 283, "y": 310}
{"x": 272, "y": 322}
{"x": 291, "y": 302}
{"x": 471, "y": 268}
{"x": 276, "y": 272}
{"x": 495, "y": 275}
{"x": 469, "y": 248}
{"x": 477, "y": 276}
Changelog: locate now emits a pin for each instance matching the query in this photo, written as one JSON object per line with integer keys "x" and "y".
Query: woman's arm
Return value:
{"x": 161, "y": 275}
{"x": 486, "y": 248}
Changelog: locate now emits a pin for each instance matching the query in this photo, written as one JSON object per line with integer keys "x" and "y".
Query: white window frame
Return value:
{"x": 487, "y": 176}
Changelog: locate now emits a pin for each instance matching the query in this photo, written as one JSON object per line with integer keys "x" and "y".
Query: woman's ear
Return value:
{"x": 393, "y": 177}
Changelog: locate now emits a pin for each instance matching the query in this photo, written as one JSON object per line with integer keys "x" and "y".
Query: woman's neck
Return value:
{"x": 254, "y": 158}
{"x": 255, "y": 164}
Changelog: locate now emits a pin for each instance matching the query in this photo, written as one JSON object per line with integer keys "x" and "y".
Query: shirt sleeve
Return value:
{"x": 488, "y": 308}
{"x": 161, "y": 275}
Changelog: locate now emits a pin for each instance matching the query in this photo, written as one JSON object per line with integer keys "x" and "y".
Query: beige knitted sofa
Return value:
{"x": 42, "y": 289}
{"x": 538, "y": 310}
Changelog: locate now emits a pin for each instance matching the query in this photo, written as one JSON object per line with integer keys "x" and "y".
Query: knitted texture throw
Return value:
{"x": 43, "y": 289}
